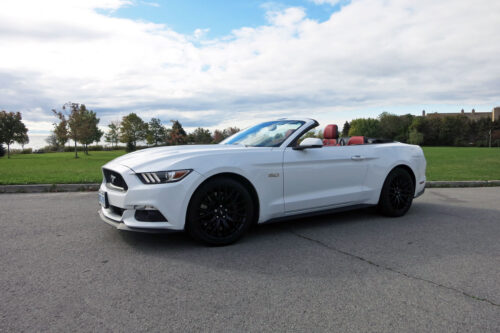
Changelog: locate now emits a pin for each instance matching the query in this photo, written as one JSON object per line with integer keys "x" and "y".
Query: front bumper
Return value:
{"x": 123, "y": 226}
{"x": 170, "y": 199}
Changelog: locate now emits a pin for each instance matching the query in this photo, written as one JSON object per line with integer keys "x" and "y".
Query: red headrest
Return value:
{"x": 331, "y": 132}
{"x": 356, "y": 140}
{"x": 289, "y": 132}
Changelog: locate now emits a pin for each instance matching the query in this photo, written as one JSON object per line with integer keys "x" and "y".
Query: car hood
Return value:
{"x": 163, "y": 157}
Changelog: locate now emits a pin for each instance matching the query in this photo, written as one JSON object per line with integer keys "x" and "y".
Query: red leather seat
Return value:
{"x": 330, "y": 135}
{"x": 356, "y": 140}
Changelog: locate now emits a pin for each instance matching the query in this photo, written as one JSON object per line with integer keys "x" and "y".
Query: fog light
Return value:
{"x": 144, "y": 207}
{"x": 150, "y": 215}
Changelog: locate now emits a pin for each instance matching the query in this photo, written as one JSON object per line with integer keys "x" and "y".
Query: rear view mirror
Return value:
{"x": 309, "y": 143}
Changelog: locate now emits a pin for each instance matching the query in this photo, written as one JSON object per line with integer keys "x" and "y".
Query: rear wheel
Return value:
{"x": 220, "y": 212}
{"x": 397, "y": 193}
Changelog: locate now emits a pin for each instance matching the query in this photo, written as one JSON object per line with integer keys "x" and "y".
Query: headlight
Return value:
{"x": 161, "y": 177}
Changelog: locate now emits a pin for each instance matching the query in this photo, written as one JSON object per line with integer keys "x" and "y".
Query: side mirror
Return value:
{"x": 309, "y": 143}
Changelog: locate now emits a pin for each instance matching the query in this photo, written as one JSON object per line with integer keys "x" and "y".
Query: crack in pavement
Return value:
{"x": 392, "y": 269}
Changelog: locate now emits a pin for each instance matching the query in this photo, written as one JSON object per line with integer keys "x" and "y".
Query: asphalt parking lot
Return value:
{"x": 436, "y": 269}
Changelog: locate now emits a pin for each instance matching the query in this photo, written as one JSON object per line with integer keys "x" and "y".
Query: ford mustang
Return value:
{"x": 269, "y": 172}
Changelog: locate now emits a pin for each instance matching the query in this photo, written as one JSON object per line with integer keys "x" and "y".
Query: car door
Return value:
{"x": 323, "y": 178}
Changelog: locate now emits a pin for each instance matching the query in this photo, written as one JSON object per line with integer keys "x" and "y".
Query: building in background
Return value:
{"x": 473, "y": 115}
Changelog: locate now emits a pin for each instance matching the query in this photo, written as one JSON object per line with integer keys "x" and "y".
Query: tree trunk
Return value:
{"x": 8, "y": 150}
{"x": 76, "y": 152}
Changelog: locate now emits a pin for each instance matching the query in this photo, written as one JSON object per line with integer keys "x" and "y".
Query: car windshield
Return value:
{"x": 268, "y": 134}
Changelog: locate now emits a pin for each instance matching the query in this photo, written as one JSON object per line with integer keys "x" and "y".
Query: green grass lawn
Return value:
{"x": 55, "y": 168}
{"x": 443, "y": 163}
{"x": 462, "y": 163}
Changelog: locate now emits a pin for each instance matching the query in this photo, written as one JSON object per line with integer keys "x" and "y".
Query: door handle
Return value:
{"x": 357, "y": 158}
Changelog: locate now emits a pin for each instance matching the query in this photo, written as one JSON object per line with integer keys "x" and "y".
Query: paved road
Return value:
{"x": 436, "y": 269}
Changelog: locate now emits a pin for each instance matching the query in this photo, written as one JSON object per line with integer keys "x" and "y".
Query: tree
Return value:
{"x": 230, "y": 131}
{"x": 483, "y": 130}
{"x": 113, "y": 136}
{"x": 2, "y": 150}
{"x": 345, "y": 129}
{"x": 200, "y": 136}
{"x": 12, "y": 129}
{"x": 61, "y": 131}
{"x": 89, "y": 130}
{"x": 176, "y": 135}
{"x": 156, "y": 132}
{"x": 453, "y": 130}
{"x": 132, "y": 129}
{"x": 81, "y": 124}
{"x": 52, "y": 141}
{"x": 429, "y": 127}
{"x": 366, "y": 127}
{"x": 218, "y": 136}
{"x": 23, "y": 140}
{"x": 415, "y": 137}
{"x": 395, "y": 127}
{"x": 74, "y": 121}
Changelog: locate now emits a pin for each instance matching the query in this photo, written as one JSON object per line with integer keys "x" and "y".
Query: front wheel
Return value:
{"x": 220, "y": 212}
{"x": 397, "y": 193}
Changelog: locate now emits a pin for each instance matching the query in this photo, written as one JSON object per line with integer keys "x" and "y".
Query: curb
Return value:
{"x": 44, "y": 188}
{"x": 463, "y": 183}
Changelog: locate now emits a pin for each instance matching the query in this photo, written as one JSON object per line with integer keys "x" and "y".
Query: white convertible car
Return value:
{"x": 265, "y": 173}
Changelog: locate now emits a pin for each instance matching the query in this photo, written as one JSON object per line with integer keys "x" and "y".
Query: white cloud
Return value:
{"x": 372, "y": 53}
{"x": 150, "y": 3}
{"x": 200, "y": 33}
{"x": 330, "y": 2}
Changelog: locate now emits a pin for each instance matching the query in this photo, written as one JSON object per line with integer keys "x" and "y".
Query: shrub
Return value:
{"x": 71, "y": 149}
{"x": 96, "y": 148}
{"x": 21, "y": 151}
{"x": 2, "y": 150}
{"x": 48, "y": 149}
{"x": 14, "y": 151}
{"x": 481, "y": 143}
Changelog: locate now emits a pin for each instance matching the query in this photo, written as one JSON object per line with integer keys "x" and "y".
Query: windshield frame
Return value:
{"x": 256, "y": 127}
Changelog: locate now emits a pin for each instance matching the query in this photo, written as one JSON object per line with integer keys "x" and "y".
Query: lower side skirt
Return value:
{"x": 315, "y": 213}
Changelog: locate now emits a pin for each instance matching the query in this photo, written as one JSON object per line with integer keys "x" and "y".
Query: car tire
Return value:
{"x": 397, "y": 193}
{"x": 220, "y": 212}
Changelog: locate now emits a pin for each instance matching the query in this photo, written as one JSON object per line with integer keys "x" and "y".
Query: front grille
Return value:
{"x": 114, "y": 179}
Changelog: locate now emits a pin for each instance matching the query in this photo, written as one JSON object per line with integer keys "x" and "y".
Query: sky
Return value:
{"x": 220, "y": 63}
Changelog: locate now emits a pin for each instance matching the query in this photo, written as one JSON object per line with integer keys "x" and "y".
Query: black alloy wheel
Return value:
{"x": 220, "y": 212}
{"x": 397, "y": 193}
